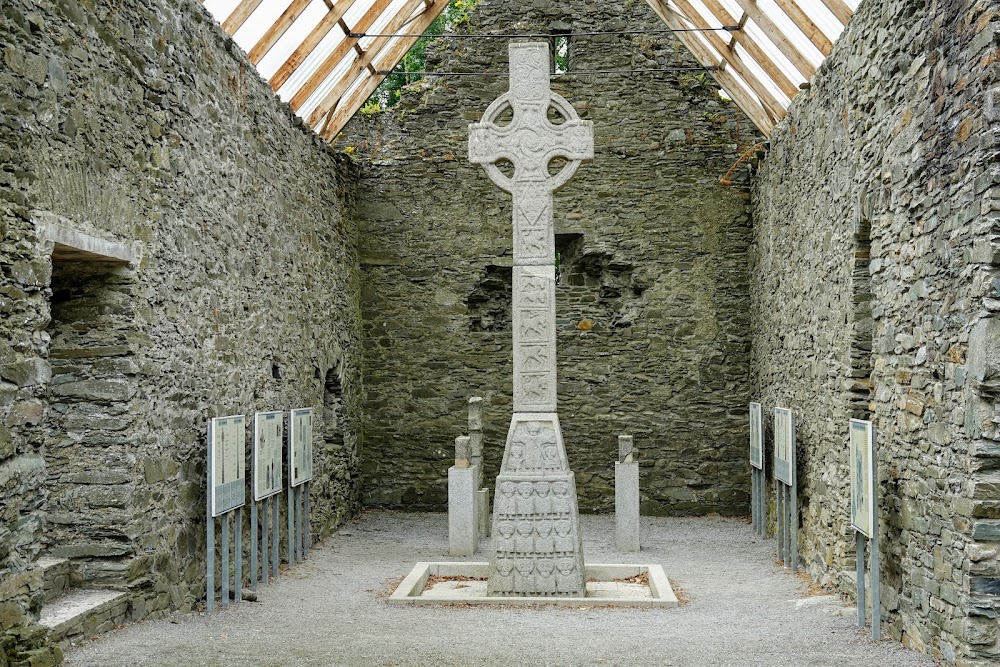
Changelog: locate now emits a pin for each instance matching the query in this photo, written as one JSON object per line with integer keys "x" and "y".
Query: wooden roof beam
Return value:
{"x": 773, "y": 33}
{"x": 808, "y": 27}
{"x": 239, "y": 16}
{"x": 342, "y": 49}
{"x": 750, "y": 106}
{"x": 338, "y": 118}
{"x": 787, "y": 86}
{"x": 765, "y": 96}
{"x": 277, "y": 30}
{"x": 312, "y": 40}
{"x": 361, "y": 64}
{"x": 840, "y": 9}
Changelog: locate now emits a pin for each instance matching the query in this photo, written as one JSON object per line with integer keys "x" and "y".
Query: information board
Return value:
{"x": 756, "y": 436}
{"x": 227, "y": 448}
{"x": 784, "y": 445}
{"x": 268, "y": 435}
{"x": 300, "y": 446}
{"x": 862, "y": 478}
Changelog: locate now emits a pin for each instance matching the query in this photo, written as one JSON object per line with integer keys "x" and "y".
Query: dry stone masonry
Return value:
{"x": 139, "y": 125}
{"x": 875, "y": 295}
{"x": 215, "y": 258}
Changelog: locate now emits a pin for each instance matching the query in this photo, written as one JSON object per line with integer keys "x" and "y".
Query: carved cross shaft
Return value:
{"x": 530, "y": 142}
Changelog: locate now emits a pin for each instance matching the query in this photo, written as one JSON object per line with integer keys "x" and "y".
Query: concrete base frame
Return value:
{"x": 604, "y": 587}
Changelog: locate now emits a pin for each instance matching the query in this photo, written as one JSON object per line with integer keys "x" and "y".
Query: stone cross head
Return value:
{"x": 530, "y": 141}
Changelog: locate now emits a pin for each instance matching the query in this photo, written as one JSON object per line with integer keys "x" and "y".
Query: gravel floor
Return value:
{"x": 742, "y": 609}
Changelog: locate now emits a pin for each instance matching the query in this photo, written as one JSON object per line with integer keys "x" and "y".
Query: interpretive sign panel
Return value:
{"x": 300, "y": 446}
{"x": 227, "y": 448}
{"x": 784, "y": 445}
{"x": 268, "y": 429}
{"x": 756, "y": 436}
{"x": 862, "y": 477}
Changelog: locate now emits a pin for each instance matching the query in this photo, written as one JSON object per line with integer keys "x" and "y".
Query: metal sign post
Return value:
{"x": 786, "y": 499}
{"x": 300, "y": 471}
{"x": 226, "y": 492}
{"x": 268, "y": 438}
{"x": 864, "y": 518}
{"x": 758, "y": 488}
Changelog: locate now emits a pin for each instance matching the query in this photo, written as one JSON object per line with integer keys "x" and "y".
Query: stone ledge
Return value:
{"x": 604, "y": 587}
{"x": 84, "y": 612}
{"x": 70, "y": 244}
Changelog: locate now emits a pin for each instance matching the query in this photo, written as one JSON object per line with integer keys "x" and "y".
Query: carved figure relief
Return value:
{"x": 535, "y": 358}
{"x": 535, "y": 388}
{"x": 505, "y": 498}
{"x": 534, "y": 291}
{"x": 534, "y": 326}
{"x": 523, "y": 502}
{"x": 534, "y": 243}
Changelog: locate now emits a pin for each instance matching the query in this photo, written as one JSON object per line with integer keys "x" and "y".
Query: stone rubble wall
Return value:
{"x": 653, "y": 289}
{"x": 140, "y": 121}
{"x": 874, "y": 266}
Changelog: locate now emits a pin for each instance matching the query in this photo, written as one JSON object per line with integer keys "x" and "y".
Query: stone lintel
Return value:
{"x": 73, "y": 245}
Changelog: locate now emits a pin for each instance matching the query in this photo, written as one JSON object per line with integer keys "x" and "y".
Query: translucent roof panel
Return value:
{"x": 326, "y": 57}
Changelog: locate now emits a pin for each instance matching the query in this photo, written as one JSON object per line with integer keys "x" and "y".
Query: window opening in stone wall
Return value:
{"x": 333, "y": 407}
{"x": 89, "y": 453}
{"x": 560, "y": 51}
{"x": 863, "y": 325}
{"x": 340, "y": 450}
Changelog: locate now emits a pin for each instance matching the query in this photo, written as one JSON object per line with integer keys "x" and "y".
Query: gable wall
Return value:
{"x": 652, "y": 300}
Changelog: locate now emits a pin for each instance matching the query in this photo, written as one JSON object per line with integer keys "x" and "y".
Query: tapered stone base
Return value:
{"x": 538, "y": 550}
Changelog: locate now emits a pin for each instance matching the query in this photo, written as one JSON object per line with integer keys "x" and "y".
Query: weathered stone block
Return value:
{"x": 463, "y": 519}
{"x": 627, "y": 506}
{"x": 27, "y": 373}
{"x": 980, "y": 631}
{"x": 96, "y": 390}
{"x": 985, "y": 585}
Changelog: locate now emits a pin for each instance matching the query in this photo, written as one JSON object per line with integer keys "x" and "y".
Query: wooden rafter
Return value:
{"x": 342, "y": 49}
{"x": 277, "y": 31}
{"x": 780, "y": 40}
{"x": 745, "y": 64}
{"x": 750, "y": 106}
{"x": 309, "y": 44}
{"x": 839, "y": 9}
{"x": 787, "y": 86}
{"x": 806, "y": 25}
{"x": 764, "y": 96}
{"x": 362, "y": 62}
{"x": 240, "y": 15}
{"x": 349, "y": 105}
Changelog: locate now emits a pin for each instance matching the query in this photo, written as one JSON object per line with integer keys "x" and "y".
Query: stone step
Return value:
{"x": 83, "y": 613}
{"x": 59, "y": 575}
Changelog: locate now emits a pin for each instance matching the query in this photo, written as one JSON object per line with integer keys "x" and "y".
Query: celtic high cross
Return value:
{"x": 537, "y": 545}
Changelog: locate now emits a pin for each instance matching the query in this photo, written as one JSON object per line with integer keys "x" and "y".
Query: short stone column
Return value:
{"x": 626, "y": 496}
{"x": 476, "y": 458}
{"x": 463, "y": 521}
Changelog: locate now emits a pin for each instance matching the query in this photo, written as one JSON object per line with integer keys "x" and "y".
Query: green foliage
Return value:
{"x": 371, "y": 107}
{"x": 456, "y": 14}
{"x": 560, "y": 53}
{"x": 698, "y": 81}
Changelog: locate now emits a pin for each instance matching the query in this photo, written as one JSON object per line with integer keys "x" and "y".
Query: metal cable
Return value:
{"x": 725, "y": 28}
{"x": 585, "y": 72}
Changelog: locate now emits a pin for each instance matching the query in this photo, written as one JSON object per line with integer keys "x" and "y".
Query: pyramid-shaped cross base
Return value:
{"x": 538, "y": 550}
